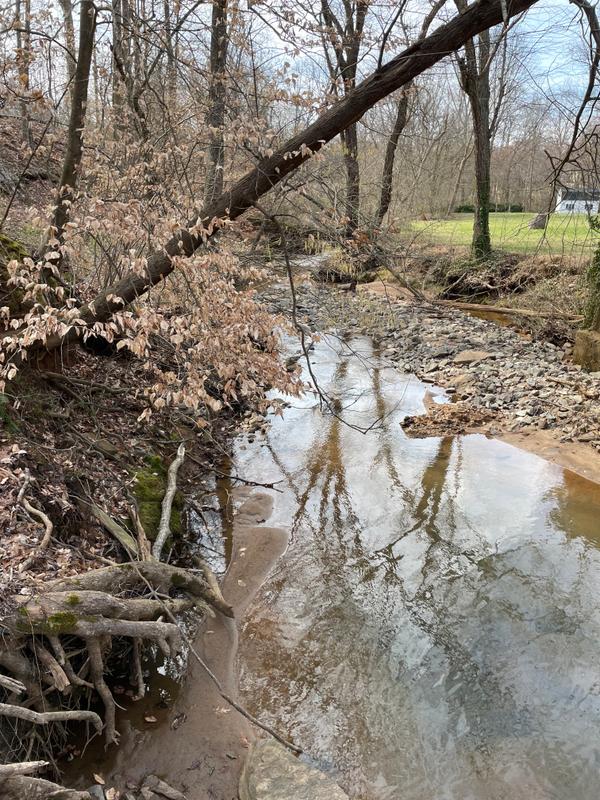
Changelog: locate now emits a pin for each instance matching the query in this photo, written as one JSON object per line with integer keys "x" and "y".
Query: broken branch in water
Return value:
{"x": 219, "y": 686}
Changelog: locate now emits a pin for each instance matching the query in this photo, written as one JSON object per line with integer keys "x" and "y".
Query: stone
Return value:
{"x": 158, "y": 787}
{"x": 471, "y": 356}
{"x": 272, "y": 773}
{"x": 96, "y": 792}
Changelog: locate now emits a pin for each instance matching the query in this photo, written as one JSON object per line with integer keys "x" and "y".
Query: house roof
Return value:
{"x": 580, "y": 194}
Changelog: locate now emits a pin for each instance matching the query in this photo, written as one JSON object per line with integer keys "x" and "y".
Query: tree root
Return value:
{"x": 18, "y": 787}
{"x": 125, "y": 600}
{"x": 48, "y": 528}
{"x": 46, "y": 717}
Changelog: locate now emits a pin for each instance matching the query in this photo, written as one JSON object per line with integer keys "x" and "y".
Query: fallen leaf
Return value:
{"x": 150, "y": 718}
{"x": 99, "y": 779}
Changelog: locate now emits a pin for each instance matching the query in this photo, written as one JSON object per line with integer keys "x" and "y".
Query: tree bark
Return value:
{"x": 74, "y": 151}
{"x": 387, "y": 174}
{"x": 67, "y": 12}
{"x": 296, "y": 151}
{"x": 215, "y": 118}
{"x": 345, "y": 40}
{"x": 350, "y": 145}
{"x": 474, "y": 70}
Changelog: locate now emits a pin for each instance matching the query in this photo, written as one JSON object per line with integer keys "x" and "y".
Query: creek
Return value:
{"x": 420, "y": 616}
{"x": 433, "y": 629}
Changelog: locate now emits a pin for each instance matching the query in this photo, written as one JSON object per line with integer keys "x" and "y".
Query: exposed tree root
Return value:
{"x": 48, "y": 528}
{"x": 19, "y": 787}
{"x": 60, "y": 638}
{"x": 46, "y": 717}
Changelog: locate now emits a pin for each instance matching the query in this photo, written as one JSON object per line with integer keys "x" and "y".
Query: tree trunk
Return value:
{"x": 480, "y": 104}
{"x": 23, "y": 32}
{"x": 67, "y": 11}
{"x": 74, "y": 151}
{"x": 296, "y": 151}
{"x": 215, "y": 118}
{"x": 475, "y": 82}
{"x": 387, "y": 174}
{"x": 350, "y": 145}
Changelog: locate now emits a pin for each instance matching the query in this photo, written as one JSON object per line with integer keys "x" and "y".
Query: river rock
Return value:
{"x": 155, "y": 787}
{"x": 471, "y": 356}
{"x": 272, "y": 773}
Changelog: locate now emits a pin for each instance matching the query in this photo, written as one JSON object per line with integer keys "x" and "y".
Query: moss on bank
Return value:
{"x": 149, "y": 490}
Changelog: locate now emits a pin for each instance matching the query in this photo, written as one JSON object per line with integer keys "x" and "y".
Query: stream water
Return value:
{"x": 433, "y": 630}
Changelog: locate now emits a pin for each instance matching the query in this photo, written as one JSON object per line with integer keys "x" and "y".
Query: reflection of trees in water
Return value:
{"x": 452, "y": 603}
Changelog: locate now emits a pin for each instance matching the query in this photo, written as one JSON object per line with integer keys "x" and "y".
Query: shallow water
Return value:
{"x": 433, "y": 631}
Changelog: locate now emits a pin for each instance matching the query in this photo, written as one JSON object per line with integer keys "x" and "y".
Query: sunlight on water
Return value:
{"x": 433, "y": 632}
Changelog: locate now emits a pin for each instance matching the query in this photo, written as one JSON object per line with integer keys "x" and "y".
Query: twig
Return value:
{"x": 217, "y": 682}
{"x": 48, "y": 528}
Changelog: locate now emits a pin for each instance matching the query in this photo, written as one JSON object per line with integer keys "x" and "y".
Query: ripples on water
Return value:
{"x": 433, "y": 631}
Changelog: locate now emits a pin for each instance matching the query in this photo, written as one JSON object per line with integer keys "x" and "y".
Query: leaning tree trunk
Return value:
{"x": 215, "y": 118}
{"x": 296, "y": 151}
{"x": 387, "y": 174}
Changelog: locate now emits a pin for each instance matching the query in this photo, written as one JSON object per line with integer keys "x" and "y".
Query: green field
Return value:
{"x": 567, "y": 234}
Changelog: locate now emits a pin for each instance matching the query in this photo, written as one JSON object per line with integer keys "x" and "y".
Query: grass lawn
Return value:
{"x": 567, "y": 234}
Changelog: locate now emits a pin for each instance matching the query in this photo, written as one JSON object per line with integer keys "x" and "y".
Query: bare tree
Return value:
{"x": 74, "y": 150}
{"x": 474, "y": 68}
{"x": 345, "y": 37}
{"x": 215, "y": 118}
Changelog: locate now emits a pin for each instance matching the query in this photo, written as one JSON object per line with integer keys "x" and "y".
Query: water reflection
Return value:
{"x": 433, "y": 630}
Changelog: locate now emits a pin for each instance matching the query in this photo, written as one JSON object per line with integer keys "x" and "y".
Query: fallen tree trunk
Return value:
{"x": 417, "y": 58}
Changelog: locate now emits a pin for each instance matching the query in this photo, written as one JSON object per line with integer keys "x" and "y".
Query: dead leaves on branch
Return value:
{"x": 209, "y": 344}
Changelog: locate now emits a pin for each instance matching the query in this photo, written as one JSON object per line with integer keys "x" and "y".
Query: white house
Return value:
{"x": 578, "y": 201}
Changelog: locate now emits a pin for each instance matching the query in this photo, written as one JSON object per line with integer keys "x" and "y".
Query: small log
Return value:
{"x": 164, "y": 528}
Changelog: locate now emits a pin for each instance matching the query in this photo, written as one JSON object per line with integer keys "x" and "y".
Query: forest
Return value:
{"x": 299, "y": 399}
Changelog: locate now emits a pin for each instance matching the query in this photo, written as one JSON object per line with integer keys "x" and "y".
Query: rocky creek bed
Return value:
{"x": 506, "y": 380}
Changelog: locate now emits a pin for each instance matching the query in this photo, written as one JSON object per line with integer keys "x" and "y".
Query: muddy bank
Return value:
{"x": 197, "y": 743}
